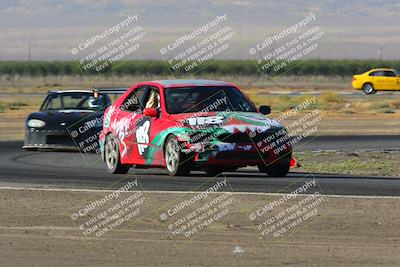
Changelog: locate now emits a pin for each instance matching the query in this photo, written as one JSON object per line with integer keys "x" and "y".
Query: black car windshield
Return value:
{"x": 206, "y": 99}
{"x": 74, "y": 100}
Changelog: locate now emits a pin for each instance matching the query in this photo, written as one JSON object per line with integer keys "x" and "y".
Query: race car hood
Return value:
{"x": 64, "y": 118}
{"x": 230, "y": 121}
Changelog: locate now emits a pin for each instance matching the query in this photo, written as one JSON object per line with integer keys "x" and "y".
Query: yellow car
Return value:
{"x": 377, "y": 80}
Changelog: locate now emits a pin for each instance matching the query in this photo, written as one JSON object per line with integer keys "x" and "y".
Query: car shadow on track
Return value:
{"x": 253, "y": 174}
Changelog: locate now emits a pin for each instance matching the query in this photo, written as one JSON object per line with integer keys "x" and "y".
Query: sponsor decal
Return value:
{"x": 245, "y": 147}
{"x": 143, "y": 137}
{"x": 233, "y": 146}
{"x": 107, "y": 118}
{"x": 226, "y": 146}
{"x": 121, "y": 128}
{"x": 205, "y": 120}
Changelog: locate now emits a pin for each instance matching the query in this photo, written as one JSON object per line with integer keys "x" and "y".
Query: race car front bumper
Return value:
{"x": 55, "y": 139}
{"x": 236, "y": 154}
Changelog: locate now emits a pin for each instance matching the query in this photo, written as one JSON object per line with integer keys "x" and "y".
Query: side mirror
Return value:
{"x": 265, "y": 110}
{"x": 151, "y": 112}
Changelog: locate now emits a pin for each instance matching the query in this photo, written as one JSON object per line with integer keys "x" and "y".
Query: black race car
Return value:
{"x": 70, "y": 119}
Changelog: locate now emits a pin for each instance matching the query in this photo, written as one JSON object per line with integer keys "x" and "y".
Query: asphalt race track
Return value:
{"x": 351, "y": 143}
{"x": 21, "y": 168}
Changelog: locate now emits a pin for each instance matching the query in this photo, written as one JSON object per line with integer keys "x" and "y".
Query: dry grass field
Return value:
{"x": 40, "y": 84}
{"x": 342, "y": 115}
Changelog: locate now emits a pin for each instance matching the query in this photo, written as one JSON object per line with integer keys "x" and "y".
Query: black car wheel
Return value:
{"x": 368, "y": 89}
{"x": 177, "y": 162}
{"x": 112, "y": 156}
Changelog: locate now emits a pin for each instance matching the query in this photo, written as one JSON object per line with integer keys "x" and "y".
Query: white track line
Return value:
{"x": 182, "y": 192}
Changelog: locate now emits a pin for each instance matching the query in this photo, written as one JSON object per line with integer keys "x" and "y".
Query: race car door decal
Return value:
{"x": 143, "y": 137}
{"x": 126, "y": 124}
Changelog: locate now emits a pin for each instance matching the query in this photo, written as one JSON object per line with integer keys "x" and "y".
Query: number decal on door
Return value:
{"x": 142, "y": 137}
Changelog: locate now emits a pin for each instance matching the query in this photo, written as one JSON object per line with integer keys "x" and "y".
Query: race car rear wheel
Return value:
{"x": 279, "y": 169}
{"x": 177, "y": 162}
{"x": 112, "y": 156}
{"x": 368, "y": 89}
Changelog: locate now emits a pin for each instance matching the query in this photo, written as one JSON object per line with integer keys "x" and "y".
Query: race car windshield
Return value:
{"x": 206, "y": 99}
{"x": 80, "y": 101}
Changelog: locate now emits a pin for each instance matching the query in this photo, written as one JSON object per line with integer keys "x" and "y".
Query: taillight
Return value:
{"x": 354, "y": 79}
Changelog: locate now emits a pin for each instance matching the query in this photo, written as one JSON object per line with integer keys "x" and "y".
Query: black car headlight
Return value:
{"x": 35, "y": 123}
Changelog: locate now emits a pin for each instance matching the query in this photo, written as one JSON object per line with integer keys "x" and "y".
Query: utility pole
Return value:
{"x": 273, "y": 43}
{"x": 380, "y": 52}
{"x": 29, "y": 51}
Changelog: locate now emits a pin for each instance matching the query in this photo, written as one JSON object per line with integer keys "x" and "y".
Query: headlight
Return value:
{"x": 34, "y": 123}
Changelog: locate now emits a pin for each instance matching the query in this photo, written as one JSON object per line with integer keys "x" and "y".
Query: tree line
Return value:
{"x": 325, "y": 67}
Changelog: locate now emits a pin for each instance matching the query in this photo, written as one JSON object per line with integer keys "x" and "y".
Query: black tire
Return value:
{"x": 280, "y": 169}
{"x": 368, "y": 89}
{"x": 177, "y": 163}
{"x": 112, "y": 156}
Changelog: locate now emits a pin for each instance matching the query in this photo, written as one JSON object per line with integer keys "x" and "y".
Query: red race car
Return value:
{"x": 185, "y": 125}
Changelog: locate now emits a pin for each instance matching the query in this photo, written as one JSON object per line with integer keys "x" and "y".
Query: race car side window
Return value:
{"x": 389, "y": 73}
{"x": 377, "y": 73}
{"x": 134, "y": 102}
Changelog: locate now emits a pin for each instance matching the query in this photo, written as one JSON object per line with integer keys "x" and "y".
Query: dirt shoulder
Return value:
{"x": 36, "y": 230}
{"x": 359, "y": 162}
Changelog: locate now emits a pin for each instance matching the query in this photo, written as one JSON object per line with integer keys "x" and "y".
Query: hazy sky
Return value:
{"x": 51, "y": 28}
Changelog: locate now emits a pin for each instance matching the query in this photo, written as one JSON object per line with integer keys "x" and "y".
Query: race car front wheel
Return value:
{"x": 112, "y": 156}
{"x": 177, "y": 162}
{"x": 279, "y": 169}
{"x": 368, "y": 89}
